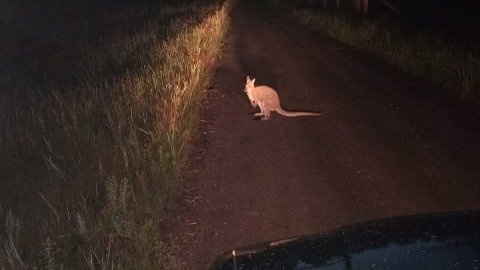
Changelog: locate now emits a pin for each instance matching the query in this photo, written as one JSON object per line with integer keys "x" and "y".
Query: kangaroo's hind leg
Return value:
{"x": 265, "y": 111}
{"x": 262, "y": 109}
{"x": 266, "y": 116}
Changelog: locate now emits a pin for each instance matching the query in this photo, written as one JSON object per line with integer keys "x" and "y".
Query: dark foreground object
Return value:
{"x": 437, "y": 241}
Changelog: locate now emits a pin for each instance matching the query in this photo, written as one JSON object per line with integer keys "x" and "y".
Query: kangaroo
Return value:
{"x": 267, "y": 99}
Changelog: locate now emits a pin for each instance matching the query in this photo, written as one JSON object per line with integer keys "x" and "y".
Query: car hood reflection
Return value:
{"x": 431, "y": 241}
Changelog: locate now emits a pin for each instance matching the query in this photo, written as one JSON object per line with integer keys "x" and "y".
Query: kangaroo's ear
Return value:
{"x": 248, "y": 78}
{"x": 253, "y": 80}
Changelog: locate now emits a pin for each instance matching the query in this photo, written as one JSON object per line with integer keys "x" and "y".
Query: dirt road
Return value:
{"x": 381, "y": 147}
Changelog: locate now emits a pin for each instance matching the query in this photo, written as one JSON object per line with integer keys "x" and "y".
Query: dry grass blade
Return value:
{"x": 101, "y": 121}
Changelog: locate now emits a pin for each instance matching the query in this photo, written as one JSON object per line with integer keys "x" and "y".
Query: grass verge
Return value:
{"x": 96, "y": 132}
{"x": 449, "y": 64}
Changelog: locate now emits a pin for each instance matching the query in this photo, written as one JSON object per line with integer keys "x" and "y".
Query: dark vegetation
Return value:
{"x": 98, "y": 104}
{"x": 437, "y": 40}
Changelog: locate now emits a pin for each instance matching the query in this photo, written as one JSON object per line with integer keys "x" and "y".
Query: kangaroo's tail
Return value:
{"x": 290, "y": 114}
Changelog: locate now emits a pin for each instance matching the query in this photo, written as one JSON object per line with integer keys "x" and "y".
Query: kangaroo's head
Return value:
{"x": 250, "y": 84}
{"x": 249, "y": 89}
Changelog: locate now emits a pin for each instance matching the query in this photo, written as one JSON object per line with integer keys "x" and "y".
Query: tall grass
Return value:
{"x": 95, "y": 137}
{"x": 425, "y": 54}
